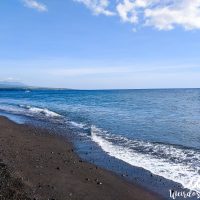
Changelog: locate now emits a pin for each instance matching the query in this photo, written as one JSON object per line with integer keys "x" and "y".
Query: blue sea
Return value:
{"x": 146, "y": 135}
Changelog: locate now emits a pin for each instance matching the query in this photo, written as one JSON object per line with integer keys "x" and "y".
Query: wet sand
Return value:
{"x": 36, "y": 164}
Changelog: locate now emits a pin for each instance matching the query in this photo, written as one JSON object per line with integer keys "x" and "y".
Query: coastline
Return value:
{"x": 47, "y": 168}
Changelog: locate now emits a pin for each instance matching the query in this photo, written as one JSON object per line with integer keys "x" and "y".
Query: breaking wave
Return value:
{"x": 29, "y": 110}
{"x": 173, "y": 163}
{"x": 44, "y": 111}
{"x": 78, "y": 125}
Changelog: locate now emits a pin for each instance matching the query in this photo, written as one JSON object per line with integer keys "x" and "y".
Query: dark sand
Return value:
{"x": 38, "y": 165}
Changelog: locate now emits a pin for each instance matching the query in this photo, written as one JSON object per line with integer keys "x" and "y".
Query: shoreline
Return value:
{"x": 48, "y": 168}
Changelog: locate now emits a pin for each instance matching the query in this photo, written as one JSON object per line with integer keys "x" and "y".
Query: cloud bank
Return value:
{"x": 159, "y": 14}
{"x": 35, "y": 5}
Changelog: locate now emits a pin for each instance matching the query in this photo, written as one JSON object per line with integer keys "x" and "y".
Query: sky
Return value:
{"x": 101, "y": 44}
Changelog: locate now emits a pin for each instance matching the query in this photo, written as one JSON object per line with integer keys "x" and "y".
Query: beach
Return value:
{"x": 100, "y": 99}
{"x": 36, "y": 164}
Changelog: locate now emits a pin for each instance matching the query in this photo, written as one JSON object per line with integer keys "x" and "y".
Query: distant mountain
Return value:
{"x": 18, "y": 85}
{"x": 10, "y": 84}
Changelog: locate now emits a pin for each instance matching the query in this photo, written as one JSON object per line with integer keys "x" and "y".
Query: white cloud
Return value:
{"x": 97, "y": 6}
{"x": 35, "y": 5}
{"x": 127, "y": 12}
{"x": 160, "y": 14}
{"x": 185, "y": 13}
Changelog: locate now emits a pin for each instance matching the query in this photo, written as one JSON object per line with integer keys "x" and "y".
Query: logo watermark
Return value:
{"x": 182, "y": 194}
{"x": 194, "y": 184}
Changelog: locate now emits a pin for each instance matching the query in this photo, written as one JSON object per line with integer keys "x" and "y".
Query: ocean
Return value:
{"x": 145, "y": 135}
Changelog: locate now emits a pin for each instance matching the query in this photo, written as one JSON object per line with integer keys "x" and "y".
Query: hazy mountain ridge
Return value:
{"x": 19, "y": 85}
{"x": 9, "y": 84}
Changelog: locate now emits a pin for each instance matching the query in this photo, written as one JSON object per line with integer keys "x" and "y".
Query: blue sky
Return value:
{"x": 96, "y": 44}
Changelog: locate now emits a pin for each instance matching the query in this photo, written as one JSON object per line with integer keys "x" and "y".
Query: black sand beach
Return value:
{"x": 36, "y": 164}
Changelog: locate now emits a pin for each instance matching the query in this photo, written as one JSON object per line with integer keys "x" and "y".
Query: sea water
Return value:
{"x": 155, "y": 130}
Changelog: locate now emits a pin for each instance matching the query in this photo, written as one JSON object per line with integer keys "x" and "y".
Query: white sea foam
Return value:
{"x": 79, "y": 125}
{"x": 46, "y": 112}
{"x": 173, "y": 163}
{"x": 28, "y": 110}
{"x": 10, "y": 108}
